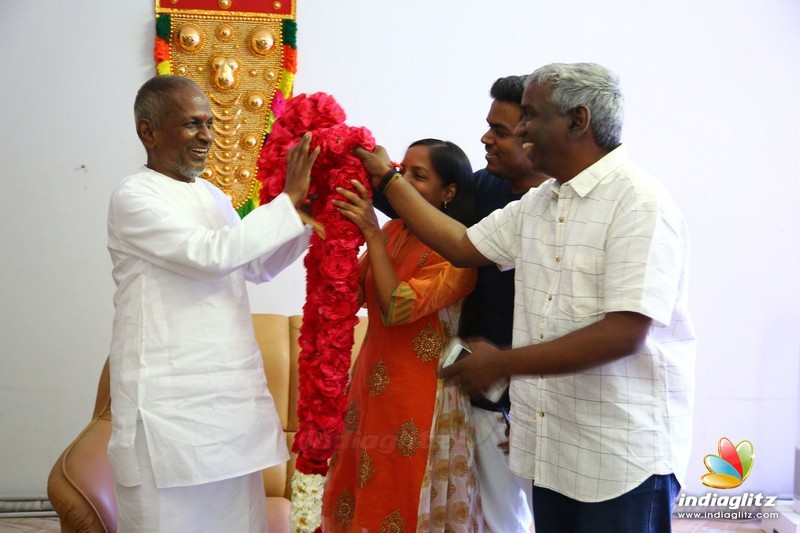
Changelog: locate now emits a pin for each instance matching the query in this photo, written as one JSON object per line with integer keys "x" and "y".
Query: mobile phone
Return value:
{"x": 456, "y": 349}
{"x": 495, "y": 392}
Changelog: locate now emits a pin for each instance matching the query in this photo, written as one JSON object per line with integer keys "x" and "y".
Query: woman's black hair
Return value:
{"x": 452, "y": 165}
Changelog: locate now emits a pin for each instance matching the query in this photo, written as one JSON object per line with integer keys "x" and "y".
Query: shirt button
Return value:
{"x": 541, "y": 413}
{"x": 561, "y": 219}
{"x": 541, "y": 335}
{"x": 549, "y": 297}
{"x": 558, "y": 259}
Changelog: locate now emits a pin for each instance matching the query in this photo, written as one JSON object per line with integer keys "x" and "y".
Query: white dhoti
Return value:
{"x": 505, "y": 497}
{"x": 235, "y": 505}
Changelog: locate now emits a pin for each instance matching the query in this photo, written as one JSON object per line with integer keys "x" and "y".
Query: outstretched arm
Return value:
{"x": 445, "y": 235}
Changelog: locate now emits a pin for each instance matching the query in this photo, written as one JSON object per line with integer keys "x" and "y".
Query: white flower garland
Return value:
{"x": 306, "y": 514}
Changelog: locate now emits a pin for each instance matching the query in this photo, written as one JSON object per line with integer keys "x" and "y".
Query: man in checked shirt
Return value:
{"x": 602, "y": 359}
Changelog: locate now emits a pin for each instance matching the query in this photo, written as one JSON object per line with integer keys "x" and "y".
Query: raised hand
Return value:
{"x": 377, "y": 162}
{"x": 298, "y": 169}
{"x": 358, "y": 208}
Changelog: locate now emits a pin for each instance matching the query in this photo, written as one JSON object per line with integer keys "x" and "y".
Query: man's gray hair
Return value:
{"x": 592, "y": 86}
{"x": 153, "y": 99}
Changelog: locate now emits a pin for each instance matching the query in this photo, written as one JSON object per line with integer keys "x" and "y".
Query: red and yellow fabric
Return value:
{"x": 406, "y": 458}
{"x": 243, "y": 54}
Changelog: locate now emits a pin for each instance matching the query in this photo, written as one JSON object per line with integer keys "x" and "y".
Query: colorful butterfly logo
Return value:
{"x": 731, "y": 467}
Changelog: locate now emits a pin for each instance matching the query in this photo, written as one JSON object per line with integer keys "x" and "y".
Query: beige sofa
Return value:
{"x": 81, "y": 487}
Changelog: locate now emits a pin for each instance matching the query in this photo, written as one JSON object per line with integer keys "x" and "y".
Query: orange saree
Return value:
{"x": 406, "y": 460}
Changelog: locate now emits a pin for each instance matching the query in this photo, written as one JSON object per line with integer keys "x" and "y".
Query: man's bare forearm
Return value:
{"x": 445, "y": 235}
{"x": 615, "y": 336}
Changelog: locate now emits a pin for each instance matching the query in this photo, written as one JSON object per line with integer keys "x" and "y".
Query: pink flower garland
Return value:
{"x": 329, "y": 314}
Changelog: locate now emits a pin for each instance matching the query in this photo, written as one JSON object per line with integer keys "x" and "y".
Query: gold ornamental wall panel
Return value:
{"x": 240, "y": 58}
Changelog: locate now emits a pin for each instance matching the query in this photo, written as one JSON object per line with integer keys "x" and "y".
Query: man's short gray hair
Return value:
{"x": 152, "y": 101}
{"x": 592, "y": 86}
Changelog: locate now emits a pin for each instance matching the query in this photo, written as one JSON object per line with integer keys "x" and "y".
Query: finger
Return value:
{"x": 360, "y": 153}
{"x": 305, "y": 141}
{"x": 363, "y": 192}
{"x": 350, "y": 195}
{"x": 346, "y": 214}
{"x": 449, "y": 371}
{"x": 342, "y": 206}
{"x": 304, "y": 162}
{"x": 347, "y": 211}
{"x": 301, "y": 147}
{"x": 293, "y": 154}
{"x": 313, "y": 157}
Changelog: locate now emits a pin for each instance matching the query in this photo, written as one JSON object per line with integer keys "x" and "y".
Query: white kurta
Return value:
{"x": 183, "y": 354}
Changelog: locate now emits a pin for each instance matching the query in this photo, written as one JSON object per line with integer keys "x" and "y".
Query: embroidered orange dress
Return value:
{"x": 406, "y": 461}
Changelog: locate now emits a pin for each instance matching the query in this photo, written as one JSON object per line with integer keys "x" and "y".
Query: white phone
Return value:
{"x": 456, "y": 349}
{"x": 495, "y": 392}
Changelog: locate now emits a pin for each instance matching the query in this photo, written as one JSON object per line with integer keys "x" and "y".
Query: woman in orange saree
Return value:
{"x": 406, "y": 458}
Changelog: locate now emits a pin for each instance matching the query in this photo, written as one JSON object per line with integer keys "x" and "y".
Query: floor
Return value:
{"x": 50, "y": 525}
{"x": 29, "y": 525}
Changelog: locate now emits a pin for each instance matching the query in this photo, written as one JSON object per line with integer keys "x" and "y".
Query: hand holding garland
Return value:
{"x": 358, "y": 208}
{"x": 298, "y": 169}
{"x": 377, "y": 163}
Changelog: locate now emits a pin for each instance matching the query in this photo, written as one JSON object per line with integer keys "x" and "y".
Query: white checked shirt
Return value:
{"x": 610, "y": 239}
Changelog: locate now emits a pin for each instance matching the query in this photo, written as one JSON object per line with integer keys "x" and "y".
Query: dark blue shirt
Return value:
{"x": 488, "y": 311}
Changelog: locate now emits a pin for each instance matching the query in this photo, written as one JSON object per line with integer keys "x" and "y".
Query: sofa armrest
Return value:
{"x": 81, "y": 485}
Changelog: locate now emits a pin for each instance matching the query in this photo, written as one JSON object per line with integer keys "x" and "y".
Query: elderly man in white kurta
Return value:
{"x": 193, "y": 421}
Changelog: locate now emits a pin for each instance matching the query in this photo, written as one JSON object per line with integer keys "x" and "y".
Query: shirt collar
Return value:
{"x": 588, "y": 179}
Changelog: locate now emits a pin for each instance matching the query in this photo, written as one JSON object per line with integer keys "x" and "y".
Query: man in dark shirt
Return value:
{"x": 488, "y": 311}
{"x": 507, "y": 176}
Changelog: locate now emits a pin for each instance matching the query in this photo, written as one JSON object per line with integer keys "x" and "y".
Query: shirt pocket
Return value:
{"x": 582, "y": 291}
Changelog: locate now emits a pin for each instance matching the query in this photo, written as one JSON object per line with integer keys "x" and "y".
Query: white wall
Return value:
{"x": 712, "y": 109}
